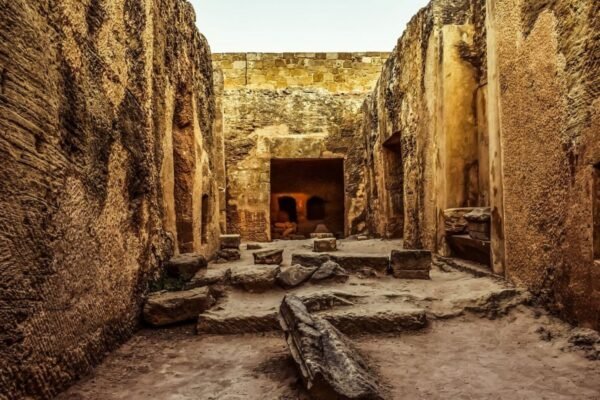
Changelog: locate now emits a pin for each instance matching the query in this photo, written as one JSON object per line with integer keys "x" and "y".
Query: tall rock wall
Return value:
{"x": 544, "y": 70}
{"x": 102, "y": 105}
{"x": 292, "y": 106}
{"x": 423, "y": 126}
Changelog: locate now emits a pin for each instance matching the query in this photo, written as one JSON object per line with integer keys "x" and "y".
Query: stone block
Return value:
{"x": 257, "y": 279}
{"x": 330, "y": 271}
{"x": 166, "y": 308}
{"x": 350, "y": 262}
{"x": 325, "y": 235}
{"x": 230, "y": 241}
{"x": 325, "y": 245}
{"x": 185, "y": 266}
{"x": 268, "y": 257}
{"x": 209, "y": 277}
{"x": 253, "y": 246}
{"x": 228, "y": 255}
{"x": 411, "y": 264}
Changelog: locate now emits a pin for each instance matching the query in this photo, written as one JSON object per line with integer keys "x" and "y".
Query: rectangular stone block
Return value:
{"x": 350, "y": 262}
{"x": 325, "y": 245}
{"x": 230, "y": 241}
{"x": 410, "y": 264}
{"x": 322, "y": 235}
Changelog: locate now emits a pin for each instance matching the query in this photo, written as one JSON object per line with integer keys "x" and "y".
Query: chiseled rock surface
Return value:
{"x": 166, "y": 308}
{"x": 411, "y": 264}
{"x": 185, "y": 266}
{"x": 325, "y": 245}
{"x": 350, "y": 262}
{"x": 330, "y": 365}
{"x": 230, "y": 241}
{"x": 295, "y": 275}
{"x": 243, "y": 321}
{"x": 208, "y": 277}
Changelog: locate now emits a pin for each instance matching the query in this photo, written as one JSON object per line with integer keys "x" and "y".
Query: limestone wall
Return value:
{"x": 285, "y": 117}
{"x": 336, "y": 72}
{"x": 423, "y": 126}
{"x": 544, "y": 71}
{"x": 94, "y": 99}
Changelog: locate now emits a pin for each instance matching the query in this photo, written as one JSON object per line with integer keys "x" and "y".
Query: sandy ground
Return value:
{"x": 464, "y": 357}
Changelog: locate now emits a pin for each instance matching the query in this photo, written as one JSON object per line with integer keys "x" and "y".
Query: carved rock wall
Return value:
{"x": 91, "y": 94}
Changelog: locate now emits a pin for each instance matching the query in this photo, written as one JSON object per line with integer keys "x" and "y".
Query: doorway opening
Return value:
{"x": 596, "y": 212}
{"x": 394, "y": 185}
{"x": 205, "y": 219}
{"x": 306, "y": 193}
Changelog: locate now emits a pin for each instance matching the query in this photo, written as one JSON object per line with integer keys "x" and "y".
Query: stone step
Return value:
{"x": 352, "y": 263}
{"x": 471, "y": 267}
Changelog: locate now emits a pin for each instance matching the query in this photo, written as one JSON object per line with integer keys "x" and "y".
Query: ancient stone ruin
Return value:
{"x": 419, "y": 223}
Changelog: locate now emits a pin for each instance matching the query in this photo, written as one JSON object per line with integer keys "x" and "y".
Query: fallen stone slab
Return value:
{"x": 209, "y": 277}
{"x": 324, "y": 245}
{"x": 268, "y": 257}
{"x": 295, "y": 275}
{"x": 331, "y": 367}
{"x": 166, "y": 308}
{"x": 354, "y": 322}
{"x": 352, "y": 263}
{"x": 185, "y": 266}
{"x": 253, "y": 246}
{"x": 411, "y": 264}
{"x": 256, "y": 279}
{"x": 215, "y": 323}
{"x": 330, "y": 272}
{"x": 230, "y": 241}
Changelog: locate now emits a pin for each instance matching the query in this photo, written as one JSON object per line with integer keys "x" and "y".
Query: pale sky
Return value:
{"x": 303, "y": 25}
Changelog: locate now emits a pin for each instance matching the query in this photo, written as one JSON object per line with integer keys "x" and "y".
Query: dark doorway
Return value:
{"x": 394, "y": 185}
{"x": 205, "y": 218}
{"x": 287, "y": 205}
{"x": 315, "y": 208}
{"x": 310, "y": 192}
{"x": 596, "y": 212}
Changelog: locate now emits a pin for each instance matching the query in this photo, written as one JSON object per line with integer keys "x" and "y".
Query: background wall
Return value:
{"x": 89, "y": 93}
{"x": 291, "y": 106}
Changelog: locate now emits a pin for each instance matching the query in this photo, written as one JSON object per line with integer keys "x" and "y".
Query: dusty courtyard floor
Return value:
{"x": 460, "y": 355}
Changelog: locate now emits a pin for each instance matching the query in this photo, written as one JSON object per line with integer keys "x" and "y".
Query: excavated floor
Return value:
{"x": 457, "y": 336}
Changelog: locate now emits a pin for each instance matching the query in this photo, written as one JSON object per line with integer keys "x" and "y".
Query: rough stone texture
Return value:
{"x": 330, "y": 365}
{"x": 544, "y": 68}
{"x": 292, "y": 106}
{"x": 350, "y": 262}
{"x": 268, "y": 257}
{"x": 324, "y": 245}
{"x": 454, "y": 221}
{"x": 168, "y": 308}
{"x": 228, "y": 255}
{"x": 218, "y": 324}
{"x": 295, "y": 275}
{"x": 88, "y": 91}
{"x": 185, "y": 266}
{"x": 257, "y": 279}
{"x": 210, "y": 277}
{"x": 230, "y": 241}
{"x": 330, "y": 272}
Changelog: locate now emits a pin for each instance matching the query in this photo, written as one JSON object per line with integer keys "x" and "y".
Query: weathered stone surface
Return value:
{"x": 350, "y": 262}
{"x": 166, "y": 308}
{"x": 230, "y": 241}
{"x": 454, "y": 221}
{"x": 330, "y": 271}
{"x": 253, "y": 246}
{"x": 479, "y": 226}
{"x": 257, "y": 279}
{"x": 330, "y": 365}
{"x": 221, "y": 324}
{"x": 324, "y": 245}
{"x": 268, "y": 257}
{"x": 410, "y": 264}
{"x": 354, "y": 322}
{"x": 185, "y": 266}
{"x": 294, "y": 275}
{"x": 228, "y": 255}
{"x": 209, "y": 277}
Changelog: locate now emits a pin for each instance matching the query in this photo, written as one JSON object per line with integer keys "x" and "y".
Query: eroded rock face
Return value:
{"x": 166, "y": 308}
{"x": 411, "y": 264}
{"x": 330, "y": 365}
{"x": 92, "y": 95}
{"x": 295, "y": 275}
{"x": 325, "y": 245}
{"x": 185, "y": 266}
{"x": 228, "y": 255}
